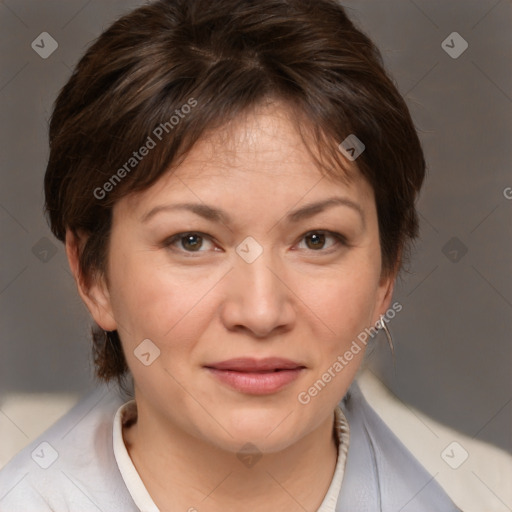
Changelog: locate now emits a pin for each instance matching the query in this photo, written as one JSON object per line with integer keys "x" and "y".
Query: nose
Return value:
{"x": 259, "y": 299}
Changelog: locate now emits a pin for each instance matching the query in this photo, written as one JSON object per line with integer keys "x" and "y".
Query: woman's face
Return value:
{"x": 244, "y": 251}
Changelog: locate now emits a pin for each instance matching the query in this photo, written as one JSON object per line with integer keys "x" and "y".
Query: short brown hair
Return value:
{"x": 189, "y": 66}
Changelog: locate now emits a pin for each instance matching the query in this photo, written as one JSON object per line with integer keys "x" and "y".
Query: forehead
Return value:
{"x": 264, "y": 140}
{"x": 262, "y": 149}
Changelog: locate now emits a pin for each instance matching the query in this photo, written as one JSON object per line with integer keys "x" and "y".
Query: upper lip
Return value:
{"x": 248, "y": 364}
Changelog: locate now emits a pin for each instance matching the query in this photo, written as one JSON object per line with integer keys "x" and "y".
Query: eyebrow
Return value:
{"x": 218, "y": 215}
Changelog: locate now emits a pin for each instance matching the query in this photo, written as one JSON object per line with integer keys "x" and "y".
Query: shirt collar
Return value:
{"x": 127, "y": 413}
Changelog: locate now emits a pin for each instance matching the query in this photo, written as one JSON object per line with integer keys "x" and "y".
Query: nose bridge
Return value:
{"x": 257, "y": 297}
{"x": 260, "y": 285}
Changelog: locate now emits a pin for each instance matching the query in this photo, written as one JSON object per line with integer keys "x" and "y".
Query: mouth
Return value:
{"x": 256, "y": 377}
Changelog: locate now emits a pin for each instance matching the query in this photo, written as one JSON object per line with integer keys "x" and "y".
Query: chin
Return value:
{"x": 269, "y": 430}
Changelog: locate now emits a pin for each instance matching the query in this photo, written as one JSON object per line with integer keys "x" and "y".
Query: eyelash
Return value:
{"x": 338, "y": 237}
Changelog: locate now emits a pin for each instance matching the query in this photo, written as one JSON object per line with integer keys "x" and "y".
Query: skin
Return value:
{"x": 204, "y": 303}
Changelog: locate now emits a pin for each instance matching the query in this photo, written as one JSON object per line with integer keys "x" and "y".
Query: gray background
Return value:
{"x": 452, "y": 339}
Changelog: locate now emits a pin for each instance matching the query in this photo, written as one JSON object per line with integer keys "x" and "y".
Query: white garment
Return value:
{"x": 71, "y": 467}
{"x": 128, "y": 412}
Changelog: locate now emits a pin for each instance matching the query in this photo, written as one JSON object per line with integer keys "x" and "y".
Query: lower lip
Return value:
{"x": 256, "y": 383}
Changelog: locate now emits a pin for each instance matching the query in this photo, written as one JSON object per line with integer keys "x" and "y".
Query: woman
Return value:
{"x": 234, "y": 182}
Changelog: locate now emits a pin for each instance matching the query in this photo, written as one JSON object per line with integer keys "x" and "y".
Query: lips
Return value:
{"x": 256, "y": 376}
{"x": 251, "y": 365}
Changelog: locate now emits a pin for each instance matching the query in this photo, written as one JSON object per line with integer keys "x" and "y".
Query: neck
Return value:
{"x": 182, "y": 472}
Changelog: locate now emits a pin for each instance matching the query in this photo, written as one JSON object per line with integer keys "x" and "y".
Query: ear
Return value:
{"x": 384, "y": 296}
{"x": 385, "y": 293}
{"x": 93, "y": 291}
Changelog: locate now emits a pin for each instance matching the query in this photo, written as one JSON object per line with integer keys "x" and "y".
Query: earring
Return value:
{"x": 384, "y": 327}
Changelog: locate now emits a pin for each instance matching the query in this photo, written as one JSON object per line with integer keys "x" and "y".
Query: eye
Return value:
{"x": 316, "y": 240}
{"x": 196, "y": 242}
{"x": 188, "y": 242}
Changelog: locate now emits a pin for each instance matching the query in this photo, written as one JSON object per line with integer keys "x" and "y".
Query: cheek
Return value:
{"x": 342, "y": 310}
{"x": 344, "y": 301}
{"x": 150, "y": 300}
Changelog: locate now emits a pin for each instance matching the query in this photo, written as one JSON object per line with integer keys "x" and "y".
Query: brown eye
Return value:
{"x": 322, "y": 241}
{"x": 316, "y": 241}
{"x": 191, "y": 242}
